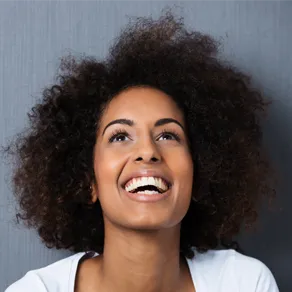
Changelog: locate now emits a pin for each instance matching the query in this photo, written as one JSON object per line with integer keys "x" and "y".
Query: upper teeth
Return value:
{"x": 146, "y": 181}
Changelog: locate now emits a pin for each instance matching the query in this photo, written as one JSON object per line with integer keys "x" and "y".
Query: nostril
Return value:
{"x": 153, "y": 159}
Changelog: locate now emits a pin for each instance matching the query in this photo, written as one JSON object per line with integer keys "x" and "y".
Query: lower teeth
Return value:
{"x": 148, "y": 192}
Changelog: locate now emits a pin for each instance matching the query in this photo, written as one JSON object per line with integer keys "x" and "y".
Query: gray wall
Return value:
{"x": 34, "y": 35}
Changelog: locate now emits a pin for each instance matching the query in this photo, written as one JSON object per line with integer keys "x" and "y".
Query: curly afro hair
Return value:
{"x": 53, "y": 168}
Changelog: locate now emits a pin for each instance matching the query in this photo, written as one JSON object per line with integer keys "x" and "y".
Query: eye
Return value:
{"x": 118, "y": 135}
{"x": 170, "y": 135}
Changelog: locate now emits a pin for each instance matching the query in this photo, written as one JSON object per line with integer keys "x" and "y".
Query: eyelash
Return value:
{"x": 119, "y": 132}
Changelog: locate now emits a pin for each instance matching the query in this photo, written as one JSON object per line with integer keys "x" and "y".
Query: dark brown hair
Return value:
{"x": 53, "y": 166}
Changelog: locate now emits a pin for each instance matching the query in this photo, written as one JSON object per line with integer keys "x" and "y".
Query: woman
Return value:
{"x": 145, "y": 165}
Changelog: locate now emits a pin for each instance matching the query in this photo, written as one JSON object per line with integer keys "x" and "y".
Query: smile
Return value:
{"x": 147, "y": 185}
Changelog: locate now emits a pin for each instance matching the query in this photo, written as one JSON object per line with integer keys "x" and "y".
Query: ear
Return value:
{"x": 94, "y": 193}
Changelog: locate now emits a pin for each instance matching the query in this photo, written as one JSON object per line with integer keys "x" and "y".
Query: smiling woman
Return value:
{"x": 146, "y": 165}
{"x": 147, "y": 148}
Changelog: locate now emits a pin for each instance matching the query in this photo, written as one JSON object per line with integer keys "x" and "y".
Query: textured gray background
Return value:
{"x": 34, "y": 35}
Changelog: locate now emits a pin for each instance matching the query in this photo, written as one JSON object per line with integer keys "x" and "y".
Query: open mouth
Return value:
{"x": 147, "y": 185}
{"x": 149, "y": 189}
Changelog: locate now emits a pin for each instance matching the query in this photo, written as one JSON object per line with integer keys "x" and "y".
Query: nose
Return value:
{"x": 147, "y": 152}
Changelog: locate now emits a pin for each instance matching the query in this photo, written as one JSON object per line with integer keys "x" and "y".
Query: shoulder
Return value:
{"x": 251, "y": 269}
{"x": 229, "y": 267}
{"x": 29, "y": 282}
{"x": 54, "y": 277}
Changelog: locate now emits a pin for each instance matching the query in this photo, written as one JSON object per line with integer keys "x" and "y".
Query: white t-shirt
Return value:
{"x": 213, "y": 271}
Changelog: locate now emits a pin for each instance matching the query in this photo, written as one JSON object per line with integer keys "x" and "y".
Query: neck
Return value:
{"x": 147, "y": 261}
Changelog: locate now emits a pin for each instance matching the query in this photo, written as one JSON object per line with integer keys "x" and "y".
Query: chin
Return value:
{"x": 144, "y": 224}
{"x": 145, "y": 216}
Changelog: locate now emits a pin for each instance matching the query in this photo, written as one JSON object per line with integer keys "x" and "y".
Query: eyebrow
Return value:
{"x": 131, "y": 123}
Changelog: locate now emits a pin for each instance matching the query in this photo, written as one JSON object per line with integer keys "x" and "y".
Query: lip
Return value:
{"x": 147, "y": 198}
{"x": 147, "y": 173}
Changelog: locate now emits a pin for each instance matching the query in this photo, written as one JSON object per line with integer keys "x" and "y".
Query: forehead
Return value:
{"x": 142, "y": 104}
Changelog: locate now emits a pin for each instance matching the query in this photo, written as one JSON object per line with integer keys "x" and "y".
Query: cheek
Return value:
{"x": 182, "y": 168}
{"x": 107, "y": 166}
{"x": 181, "y": 164}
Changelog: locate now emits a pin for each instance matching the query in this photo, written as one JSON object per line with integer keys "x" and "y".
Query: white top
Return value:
{"x": 213, "y": 271}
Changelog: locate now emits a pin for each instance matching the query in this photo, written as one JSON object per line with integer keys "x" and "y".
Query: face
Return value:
{"x": 142, "y": 134}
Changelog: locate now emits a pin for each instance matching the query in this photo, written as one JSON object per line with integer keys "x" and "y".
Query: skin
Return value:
{"x": 141, "y": 249}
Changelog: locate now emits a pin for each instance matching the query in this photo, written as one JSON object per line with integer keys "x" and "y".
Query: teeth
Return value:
{"x": 148, "y": 192}
{"x": 146, "y": 181}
